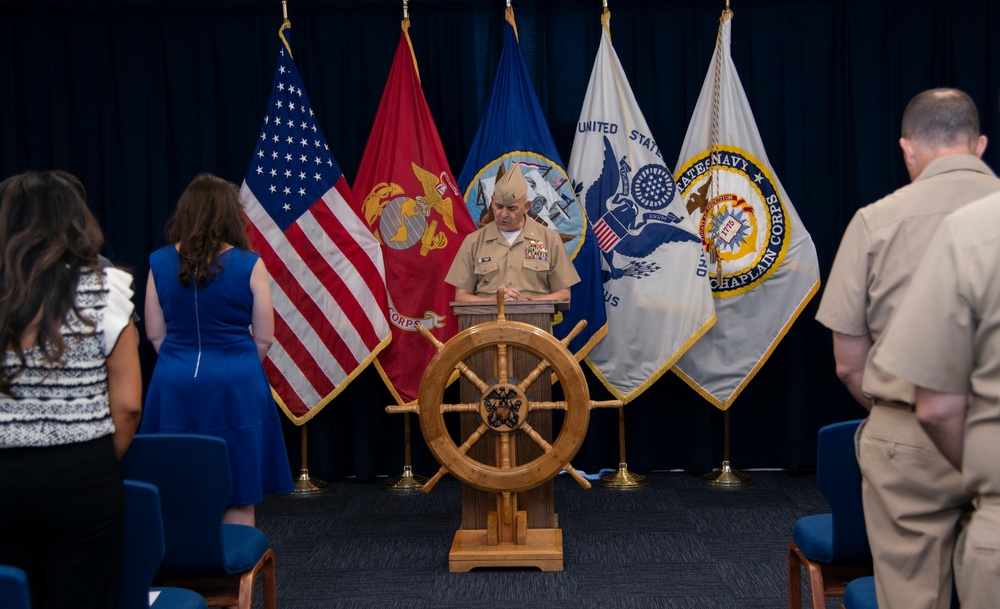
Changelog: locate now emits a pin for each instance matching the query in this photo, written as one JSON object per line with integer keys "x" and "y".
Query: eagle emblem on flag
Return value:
{"x": 400, "y": 221}
{"x": 637, "y": 218}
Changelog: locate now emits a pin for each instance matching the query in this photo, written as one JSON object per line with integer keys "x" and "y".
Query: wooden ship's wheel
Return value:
{"x": 503, "y": 413}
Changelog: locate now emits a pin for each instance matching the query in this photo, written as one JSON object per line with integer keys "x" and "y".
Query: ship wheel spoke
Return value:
{"x": 502, "y": 369}
{"x": 459, "y": 407}
{"x": 472, "y": 377}
{"x": 532, "y": 406}
{"x": 533, "y": 375}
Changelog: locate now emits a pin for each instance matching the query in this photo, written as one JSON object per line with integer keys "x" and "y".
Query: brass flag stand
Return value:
{"x": 622, "y": 479}
{"x": 304, "y": 484}
{"x": 726, "y": 477}
{"x": 407, "y": 481}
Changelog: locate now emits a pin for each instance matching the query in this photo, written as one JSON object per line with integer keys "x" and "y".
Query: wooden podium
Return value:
{"x": 507, "y": 529}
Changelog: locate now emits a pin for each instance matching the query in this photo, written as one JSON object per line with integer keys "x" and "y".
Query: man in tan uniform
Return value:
{"x": 945, "y": 338}
{"x": 913, "y": 498}
{"x": 512, "y": 252}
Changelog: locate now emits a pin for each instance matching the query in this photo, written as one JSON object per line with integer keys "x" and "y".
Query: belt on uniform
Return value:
{"x": 898, "y": 405}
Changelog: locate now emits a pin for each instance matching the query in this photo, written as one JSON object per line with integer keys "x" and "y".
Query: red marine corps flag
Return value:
{"x": 411, "y": 204}
{"x": 327, "y": 274}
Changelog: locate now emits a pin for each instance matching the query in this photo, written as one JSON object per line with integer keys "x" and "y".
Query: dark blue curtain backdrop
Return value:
{"x": 138, "y": 97}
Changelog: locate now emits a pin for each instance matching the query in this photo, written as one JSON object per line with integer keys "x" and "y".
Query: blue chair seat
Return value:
{"x": 244, "y": 547}
{"x": 814, "y": 536}
{"x": 14, "y": 588}
{"x": 177, "y": 598}
{"x": 860, "y": 594}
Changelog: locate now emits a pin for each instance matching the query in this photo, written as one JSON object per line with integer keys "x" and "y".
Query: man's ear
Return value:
{"x": 980, "y": 146}
{"x": 909, "y": 151}
{"x": 910, "y": 156}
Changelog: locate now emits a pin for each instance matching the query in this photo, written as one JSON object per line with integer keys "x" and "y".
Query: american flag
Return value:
{"x": 326, "y": 267}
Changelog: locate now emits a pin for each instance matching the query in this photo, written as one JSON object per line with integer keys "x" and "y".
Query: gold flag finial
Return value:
{"x": 406, "y": 10}
{"x": 285, "y": 25}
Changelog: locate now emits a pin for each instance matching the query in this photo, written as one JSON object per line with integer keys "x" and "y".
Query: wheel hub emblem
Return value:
{"x": 503, "y": 405}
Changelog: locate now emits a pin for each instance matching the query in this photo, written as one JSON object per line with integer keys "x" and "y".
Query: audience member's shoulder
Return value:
{"x": 982, "y": 215}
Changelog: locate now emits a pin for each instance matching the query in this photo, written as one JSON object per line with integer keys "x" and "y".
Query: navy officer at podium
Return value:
{"x": 513, "y": 252}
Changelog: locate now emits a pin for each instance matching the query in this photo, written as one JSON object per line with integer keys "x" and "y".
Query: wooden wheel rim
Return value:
{"x": 523, "y": 476}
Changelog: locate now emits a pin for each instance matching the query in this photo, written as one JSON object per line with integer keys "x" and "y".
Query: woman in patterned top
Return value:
{"x": 70, "y": 395}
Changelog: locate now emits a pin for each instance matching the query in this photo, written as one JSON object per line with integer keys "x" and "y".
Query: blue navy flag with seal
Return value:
{"x": 513, "y": 130}
{"x": 762, "y": 261}
{"x": 653, "y": 266}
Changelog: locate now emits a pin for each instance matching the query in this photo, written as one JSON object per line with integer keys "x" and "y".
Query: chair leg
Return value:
{"x": 816, "y": 588}
{"x": 269, "y": 584}
{"x": 794, "y": 578}
{"x": 246, "y": 590}
{"x": 265, "y": 567}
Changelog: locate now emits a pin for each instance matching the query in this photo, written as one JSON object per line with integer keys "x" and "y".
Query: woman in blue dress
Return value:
{"x": 208, "y": 314}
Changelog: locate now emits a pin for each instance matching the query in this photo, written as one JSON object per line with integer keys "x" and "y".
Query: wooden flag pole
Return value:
{"x": 726, "y": 476}
{"x": 304, "y": 484}
{"x": 407, "y": 481}
{"x": 622, "y": 479}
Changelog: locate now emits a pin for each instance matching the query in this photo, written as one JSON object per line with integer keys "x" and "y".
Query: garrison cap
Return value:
{"x": 511, "y": 186}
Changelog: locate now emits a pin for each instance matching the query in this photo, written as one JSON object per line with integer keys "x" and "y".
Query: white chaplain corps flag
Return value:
{"x": 764, "y": 269}
{"x": 653, "y": 267}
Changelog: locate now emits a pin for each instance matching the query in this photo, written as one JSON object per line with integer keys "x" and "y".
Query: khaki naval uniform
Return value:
{"x": 946, "y": 337}
{"x": 536, "y": 264}
{"x": 913, "y": 498}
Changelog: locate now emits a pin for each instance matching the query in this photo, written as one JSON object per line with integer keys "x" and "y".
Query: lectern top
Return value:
{"x": 520, "y": 307}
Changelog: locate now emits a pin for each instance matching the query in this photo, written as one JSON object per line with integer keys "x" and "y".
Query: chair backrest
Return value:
{"x": 14, "y": 588}
{"x": 144, "y": 545}
{"x": 839, "y": 478}
{"x": 192, "y": 475}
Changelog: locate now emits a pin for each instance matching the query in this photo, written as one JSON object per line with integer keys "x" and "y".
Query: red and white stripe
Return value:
{"x": 328, "y": 290}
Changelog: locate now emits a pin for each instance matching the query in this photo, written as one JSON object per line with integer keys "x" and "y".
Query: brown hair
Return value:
{"x": 47, "y": 237}
{"x": 208, "y": 217}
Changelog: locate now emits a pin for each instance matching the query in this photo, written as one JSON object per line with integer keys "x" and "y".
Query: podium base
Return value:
{"x": 542, "y": 549}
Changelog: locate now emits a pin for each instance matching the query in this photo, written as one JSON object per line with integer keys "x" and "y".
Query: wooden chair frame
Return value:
{"x": 824, "y": 579}
{"x": 234, "y": 590}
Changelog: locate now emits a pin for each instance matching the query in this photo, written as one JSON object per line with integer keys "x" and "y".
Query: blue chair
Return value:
{"x": 143, "y": 552}
{"x": 219, "y": 561}
{"x": 14, "y": 588}
{"x": 860, "y": 594}
{"x": 833, "y": 547}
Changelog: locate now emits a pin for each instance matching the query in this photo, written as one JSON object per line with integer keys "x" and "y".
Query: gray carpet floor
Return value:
{"x": 673, "y": 544}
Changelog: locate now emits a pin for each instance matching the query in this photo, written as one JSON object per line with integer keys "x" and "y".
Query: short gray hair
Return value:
{"x": 942, "y": 117}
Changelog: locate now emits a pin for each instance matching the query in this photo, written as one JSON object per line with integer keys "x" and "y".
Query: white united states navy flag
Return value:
{"x": 765, "y": 268}
{"x": 653, "y": 266}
